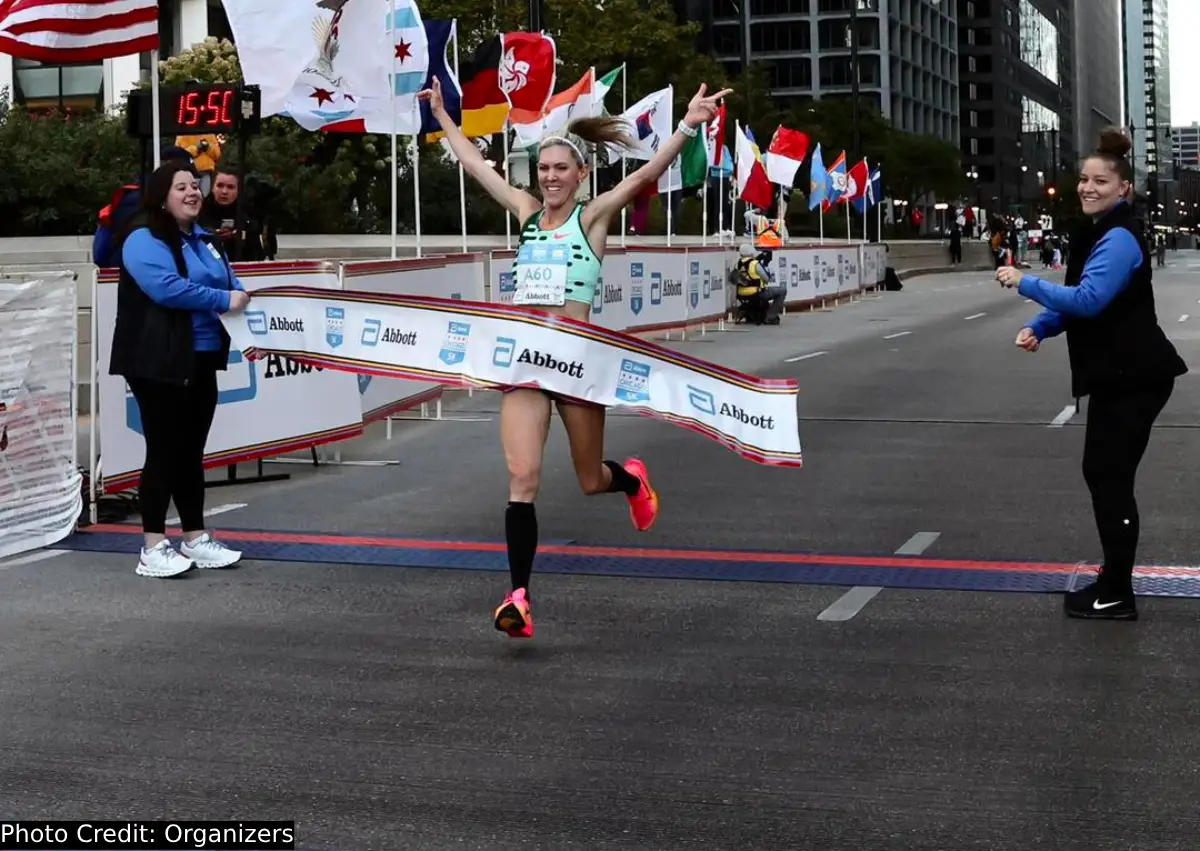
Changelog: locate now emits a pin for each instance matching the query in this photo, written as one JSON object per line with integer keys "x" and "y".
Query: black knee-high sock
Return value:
{"x": 622, "y": 480}
{"x": 521, "y": 534}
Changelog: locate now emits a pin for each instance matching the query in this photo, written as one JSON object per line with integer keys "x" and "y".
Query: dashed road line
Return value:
{"x": 805, "y": 357}
{"x": 852, "y": 602}
{"x": 1183, "y": 318}
{"x": 897, "y": 334}
{"x": 1063, "y": 417}
{"x": 219, "y": 509}
{"x": 975, "y": 316}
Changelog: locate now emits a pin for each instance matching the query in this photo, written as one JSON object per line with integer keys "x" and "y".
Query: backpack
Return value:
{"x": 125, "y": 203}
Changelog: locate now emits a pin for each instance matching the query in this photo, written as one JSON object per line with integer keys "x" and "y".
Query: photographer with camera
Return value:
{"x": 250, "y": 238}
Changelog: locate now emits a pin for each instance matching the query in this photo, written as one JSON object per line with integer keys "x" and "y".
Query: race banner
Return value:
{"x": 41, "y": 486}
{"x": 498, "y": 346}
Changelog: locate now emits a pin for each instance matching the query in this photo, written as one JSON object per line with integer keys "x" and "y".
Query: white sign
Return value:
{"x": 263, "y": 409}
{"x": 494, "y": 346}
{"x": 41, "y": 489}
{"x": 459, "y": 277}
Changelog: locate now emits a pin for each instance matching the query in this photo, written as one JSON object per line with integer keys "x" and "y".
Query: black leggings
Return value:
{"x": 175, "y": 422}
{"x": 1118, "y": 431}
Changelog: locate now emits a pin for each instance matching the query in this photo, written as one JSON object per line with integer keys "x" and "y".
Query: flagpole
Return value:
{"x": 849, "y": 234}
{"x": 704, "y": 188}
{"x": 670, "y": 190}
{"x": 624, "y": 107}
{"x": 462, "y": 182}
{"x": 155, "y": 114}
{"x": 395, "y": 162}
{"x": 416, "y": 170}
{"x": 507, "y": 214}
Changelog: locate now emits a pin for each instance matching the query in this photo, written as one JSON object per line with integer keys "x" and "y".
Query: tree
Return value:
{"x": 58, "y": 170}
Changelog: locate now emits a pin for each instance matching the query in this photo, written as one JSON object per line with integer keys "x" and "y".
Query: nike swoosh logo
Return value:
{"x": 561, "y": 235}
{"x": 1098, "y": 606}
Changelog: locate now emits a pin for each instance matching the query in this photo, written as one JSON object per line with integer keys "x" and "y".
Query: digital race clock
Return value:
{"x": 196, "y": 109}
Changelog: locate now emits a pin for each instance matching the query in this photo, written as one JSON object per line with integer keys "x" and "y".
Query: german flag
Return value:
{"x": 484, "y": 107}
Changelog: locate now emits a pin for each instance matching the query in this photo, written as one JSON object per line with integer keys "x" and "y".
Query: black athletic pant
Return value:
{"x": 175, "y": 422}
{"x": 1118, "y": 431}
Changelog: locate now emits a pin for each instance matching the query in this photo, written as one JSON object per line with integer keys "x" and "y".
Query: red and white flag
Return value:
{"x": 527, "y": 73}
{"x": 753, "y": 185}
{"x": 858, "y": 181}
{"x": 785, "y": 154}
{"x": 65, "y": 31}
{"x": 716, "y": 138}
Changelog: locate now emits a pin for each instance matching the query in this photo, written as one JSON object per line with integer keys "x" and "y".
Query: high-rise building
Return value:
{"x": 1016, "y": 73}
{"x": 1148, "y": 92}
{"x": 907, "y": 52}
{"x": 1098, "y": 88}
{"x": 1185, "y": 146}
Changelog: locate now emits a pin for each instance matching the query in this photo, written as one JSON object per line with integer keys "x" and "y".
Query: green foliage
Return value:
{"x": 57, "y": 170}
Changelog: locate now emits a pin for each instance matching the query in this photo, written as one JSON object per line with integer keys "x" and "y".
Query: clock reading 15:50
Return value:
{"x": 205, "y": 109}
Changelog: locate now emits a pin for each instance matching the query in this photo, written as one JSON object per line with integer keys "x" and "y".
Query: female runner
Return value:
{"x": 525, "y": 412}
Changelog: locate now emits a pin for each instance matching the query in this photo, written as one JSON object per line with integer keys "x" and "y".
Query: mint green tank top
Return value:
{"x": 583, "y": 266}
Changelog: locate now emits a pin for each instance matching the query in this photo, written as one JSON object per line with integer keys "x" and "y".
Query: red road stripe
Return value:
{"x": 648, "y": 553}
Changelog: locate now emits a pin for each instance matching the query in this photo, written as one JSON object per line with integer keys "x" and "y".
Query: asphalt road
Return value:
{"x": 378, "y": 709}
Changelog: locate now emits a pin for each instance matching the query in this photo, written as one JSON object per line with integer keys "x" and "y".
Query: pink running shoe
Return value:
{"x": 515, "y": 616}
{"x": 643, "y": 508}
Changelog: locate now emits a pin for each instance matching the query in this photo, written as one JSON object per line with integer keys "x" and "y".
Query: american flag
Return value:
{"x": 63, "y": 31}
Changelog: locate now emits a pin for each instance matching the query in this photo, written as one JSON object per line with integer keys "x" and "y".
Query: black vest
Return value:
{"x": 1123, "y": 346}
{"x": 155, "y": 342}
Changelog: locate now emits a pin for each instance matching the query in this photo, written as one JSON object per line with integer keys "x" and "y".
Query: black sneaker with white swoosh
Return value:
{"x": 1099, "y": 602}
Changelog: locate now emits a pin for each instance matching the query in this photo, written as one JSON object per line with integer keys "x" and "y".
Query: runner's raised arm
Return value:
{"x": 516, "y": 200}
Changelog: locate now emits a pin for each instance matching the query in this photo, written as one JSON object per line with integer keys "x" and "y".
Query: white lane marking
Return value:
{"x": 976, "y": 315}
{"x": 897, "y": 334}
{"x": 852, "y": 602}
{"x": 220, "y": 509}
{"x": 1063, "y": 416}
{"x": 1183, "y": 318}
{"x": 805, "y": 357}
{"x": 918, "y": 543}
{"x": 1026, "y": 300}
{"x": 32, "y": 558}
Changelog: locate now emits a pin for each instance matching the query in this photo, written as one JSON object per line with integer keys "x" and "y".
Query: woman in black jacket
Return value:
{"x": 1119, "y": 356}
{"x": 169, "y": 344}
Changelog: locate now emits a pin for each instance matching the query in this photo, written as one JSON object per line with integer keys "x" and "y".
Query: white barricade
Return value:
{"x": 258, "y": 415}
{"x": 41, "y": 488}
{"x": 874, "y": 264}
{"x": 707, "y": 269}
{"x": 458, "y": 276}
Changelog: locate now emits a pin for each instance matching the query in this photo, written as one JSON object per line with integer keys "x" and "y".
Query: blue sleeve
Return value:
{"x": 152, "y": 266}
{"x": 1048, "y": 323}
{"x": 102, "y": 246}
{"x": 1108, "y": 271}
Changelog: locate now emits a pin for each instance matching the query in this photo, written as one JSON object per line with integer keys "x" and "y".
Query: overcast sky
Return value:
{"x": 1184, "y": 18}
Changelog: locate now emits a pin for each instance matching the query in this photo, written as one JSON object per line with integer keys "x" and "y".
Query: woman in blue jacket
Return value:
{"x": 1119, "y": 357}
{"x": 169, "y": 344}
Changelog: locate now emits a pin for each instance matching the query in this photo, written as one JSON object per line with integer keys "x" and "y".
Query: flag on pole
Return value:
{"x": 438, "y": 36}
{"x": 574, "y": 102}
{"x": 818, "y": 180}
{"x": 693, "y": 162}
{"x": 753, "y": 185}
{"x": 80, "y": 31}
{"x": 785, "y": 155}
{"x": 603, "y": 84}
{"x": 484, "y": 108}
{"x": 836, "y": 188}
{"x": 649, "y": 123}
{"x": 527, "y": 74}
{"x": 857, "y": 180}
{"x": 716, "y": 136}
{"x": 872, "y": 195}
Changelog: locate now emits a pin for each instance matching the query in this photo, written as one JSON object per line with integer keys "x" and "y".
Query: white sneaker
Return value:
{"x": 207, "y": 552}
{"x": 162, "y": 562}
